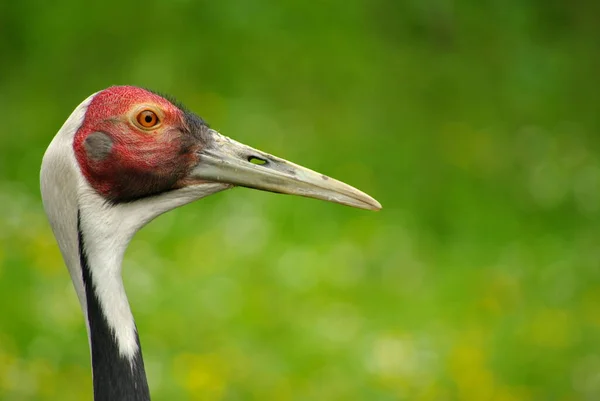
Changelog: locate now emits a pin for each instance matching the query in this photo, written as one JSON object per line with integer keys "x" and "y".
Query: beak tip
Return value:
{"x": 364, "y": 201}
{"x": 375, "y": 206}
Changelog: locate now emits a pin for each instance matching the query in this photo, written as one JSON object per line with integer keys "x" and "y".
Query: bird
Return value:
{"x": 124, "y": 156}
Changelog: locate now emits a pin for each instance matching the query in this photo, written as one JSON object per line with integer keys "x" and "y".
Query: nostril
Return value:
{"x": 257, "y": 160}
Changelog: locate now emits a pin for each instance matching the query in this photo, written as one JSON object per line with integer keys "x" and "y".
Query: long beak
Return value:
{"x": 227, "y": 161}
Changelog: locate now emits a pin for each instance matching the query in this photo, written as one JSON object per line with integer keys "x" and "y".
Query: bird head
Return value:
{"x": 124, "y": 156}
{"x": 134, "y": 144}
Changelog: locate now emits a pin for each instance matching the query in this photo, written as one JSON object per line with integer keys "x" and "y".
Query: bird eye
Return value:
{"x": 147, "y": 119}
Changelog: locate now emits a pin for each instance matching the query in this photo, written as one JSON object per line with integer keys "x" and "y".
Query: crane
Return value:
{"x": 124, "y": 156}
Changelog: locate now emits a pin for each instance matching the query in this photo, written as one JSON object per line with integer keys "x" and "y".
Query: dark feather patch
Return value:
{"x": 115, "y": 378}
{"x": 98, "y": 145}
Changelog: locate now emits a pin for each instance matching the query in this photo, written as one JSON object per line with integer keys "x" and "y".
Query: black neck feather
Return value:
{"x": 116, "y": 378}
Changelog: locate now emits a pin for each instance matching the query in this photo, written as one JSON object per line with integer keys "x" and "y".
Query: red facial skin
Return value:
{"x": 139, "y": 161}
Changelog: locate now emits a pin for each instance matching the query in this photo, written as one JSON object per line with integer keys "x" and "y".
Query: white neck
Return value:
{"x": 60, "y": 180}
{"x": 107, "y": 230}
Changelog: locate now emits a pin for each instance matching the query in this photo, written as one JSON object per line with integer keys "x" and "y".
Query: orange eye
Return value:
{"x": 147, "y": 119}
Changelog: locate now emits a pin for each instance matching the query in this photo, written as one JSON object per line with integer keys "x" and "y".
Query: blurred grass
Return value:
{"x": 475, "y": 125}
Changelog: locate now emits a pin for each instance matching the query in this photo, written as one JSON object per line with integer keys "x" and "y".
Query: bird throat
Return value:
{"x": 116, "y": 377}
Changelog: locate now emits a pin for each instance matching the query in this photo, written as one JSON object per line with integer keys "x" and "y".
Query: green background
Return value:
{"x": 475, "y": 124}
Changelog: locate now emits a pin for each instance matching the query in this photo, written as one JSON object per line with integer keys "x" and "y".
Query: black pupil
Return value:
{"x": 148, "y": 118}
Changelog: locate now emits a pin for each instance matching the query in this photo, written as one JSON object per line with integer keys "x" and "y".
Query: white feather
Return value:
{"x": 59, "y": 182}
{"x": 107, "y": 230}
